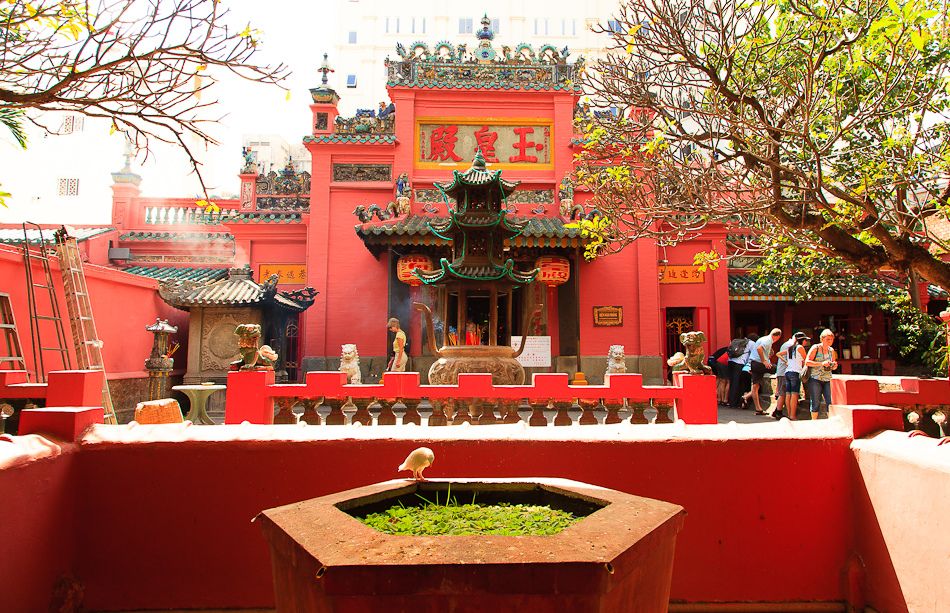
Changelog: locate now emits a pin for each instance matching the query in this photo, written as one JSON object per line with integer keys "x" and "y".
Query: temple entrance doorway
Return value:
{"x": 473, "y": 326}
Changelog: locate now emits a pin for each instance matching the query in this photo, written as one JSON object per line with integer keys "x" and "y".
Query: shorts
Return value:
{"x": 758, "y": 371}
{"x": 793, "y": 382}
{"x": 721, "y": 370}
{"x": 780, "y": 386}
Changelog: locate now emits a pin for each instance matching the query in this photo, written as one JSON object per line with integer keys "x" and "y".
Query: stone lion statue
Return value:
{"x": 694, "y": 360}
{"x": 350, "y": 363}
{"x": 616, "y": 364}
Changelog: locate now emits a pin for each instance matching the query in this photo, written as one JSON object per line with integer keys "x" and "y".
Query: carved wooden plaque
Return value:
{"x": 605, "y": 316}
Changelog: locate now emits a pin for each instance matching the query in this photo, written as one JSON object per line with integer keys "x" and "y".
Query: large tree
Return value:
{"x": 815, "y": 125}
{"x": 143, "y": 64}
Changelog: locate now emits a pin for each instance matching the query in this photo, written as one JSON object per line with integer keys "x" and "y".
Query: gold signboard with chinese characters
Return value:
{"x": 291, "y": 274}
{"x": 451, "y": 142}
{"x": 675, "y": 273}
{"x": 605, "y": 316}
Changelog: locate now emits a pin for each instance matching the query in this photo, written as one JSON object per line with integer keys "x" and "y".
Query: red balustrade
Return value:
{"x": 925, "y": 402}
{"x": 251, "y": 395}
{"x": 73, "y": 401}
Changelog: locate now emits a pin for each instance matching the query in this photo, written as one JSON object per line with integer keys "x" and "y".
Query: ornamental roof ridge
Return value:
{"x": 446, "y": 65}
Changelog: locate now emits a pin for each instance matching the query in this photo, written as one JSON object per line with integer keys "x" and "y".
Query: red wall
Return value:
{"x": 123, "y": 305}
{"x": 39, "y": 525}
{"x": 763, "y": 524}
{"x": 183, "y": 537}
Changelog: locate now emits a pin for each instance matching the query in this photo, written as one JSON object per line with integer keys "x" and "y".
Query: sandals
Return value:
{"x": 758, "y": 412}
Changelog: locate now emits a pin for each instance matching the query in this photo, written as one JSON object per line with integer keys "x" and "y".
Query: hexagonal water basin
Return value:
{"x": 619, "y": 557}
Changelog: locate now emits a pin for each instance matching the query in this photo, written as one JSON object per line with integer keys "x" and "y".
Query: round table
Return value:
{"x": 198, "y": 397}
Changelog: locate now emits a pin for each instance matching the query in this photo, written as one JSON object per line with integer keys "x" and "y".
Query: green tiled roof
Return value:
{"x": 177, "y": 236}
{"x": 351, "y": 138}
{"x": 264, "y": 217}
{"x": 417, "y": 225}
{"x": 166, "y": 273}
{"x": 937, "y": 293}
{"x": 14, "y": 236}
{"x": 851, "y": 287}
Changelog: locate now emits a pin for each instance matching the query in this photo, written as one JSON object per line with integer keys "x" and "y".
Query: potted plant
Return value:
{"x": 616, "y": 554}
{"x": 857, "y": 339}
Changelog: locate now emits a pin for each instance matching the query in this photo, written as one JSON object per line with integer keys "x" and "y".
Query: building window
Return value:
{"x": 71, "y": 124}
{"x": 614, "y": 26}
{"x": 423, "y": 30}
{"x": 352, "y": 38}
{"x": 412, "y": 25}
{"x": 465, "y": 25}
{"x": 351, "y": 80}
{"x": 568, "y": 27}
{"x": 541, "y": 27}
{"x": 68, "y": 187}
{"x": 495, "y": 23}
{"x": 386, "y": 27}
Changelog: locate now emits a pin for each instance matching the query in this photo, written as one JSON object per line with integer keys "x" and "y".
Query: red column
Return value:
{"x": 651, "y": 339}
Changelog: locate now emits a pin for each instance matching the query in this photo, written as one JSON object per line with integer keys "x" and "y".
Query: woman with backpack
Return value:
{"x": 740, "y": 350}
{"x": 795, "y": 364}
{"x": 821, "y": 360}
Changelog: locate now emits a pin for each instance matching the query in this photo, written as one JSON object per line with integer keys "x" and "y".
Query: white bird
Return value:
{"x": 417, "y": 461}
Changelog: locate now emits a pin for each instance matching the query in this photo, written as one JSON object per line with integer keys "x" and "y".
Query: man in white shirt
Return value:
{"x": 760, "y": 363}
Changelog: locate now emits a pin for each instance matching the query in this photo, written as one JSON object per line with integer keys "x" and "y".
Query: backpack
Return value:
{"x": 737, "y": 347}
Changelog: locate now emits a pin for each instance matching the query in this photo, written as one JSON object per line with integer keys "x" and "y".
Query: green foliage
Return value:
{"x": 12, "y": 119}
{"x": 453, "y": 518}
{"x": 597, "y": 231}
{"x": 822, "y": 123}
{"x": 806, "y": 274}
{"x": 917, "y": 337}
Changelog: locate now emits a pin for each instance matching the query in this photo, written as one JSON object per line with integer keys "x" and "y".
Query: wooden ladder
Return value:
{"x": 85, "y": 338}
{"x": 14, "y": 356}
{"x": 41, "y": 256}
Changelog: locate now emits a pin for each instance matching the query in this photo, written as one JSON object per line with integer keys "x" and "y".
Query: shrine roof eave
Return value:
{"x": 264, "y": 217}
{"x": 474, "y": 177}
{"x": 415, "y": 226}
{"x": 448, "y": 272}
{"x": 236, "y": 290}
{"x": 485, "y": 86}
{"x": 350, "y": 139}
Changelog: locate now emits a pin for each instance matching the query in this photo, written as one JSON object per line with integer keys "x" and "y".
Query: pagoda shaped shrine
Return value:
{"x": 477, "y": 228}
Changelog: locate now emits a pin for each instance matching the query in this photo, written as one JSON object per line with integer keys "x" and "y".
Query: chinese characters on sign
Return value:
{"x": 682, "y": 274}
{"x": 453, "y": 142}
{"x": 292, "y": 274}
{"x": 605, "y": 316}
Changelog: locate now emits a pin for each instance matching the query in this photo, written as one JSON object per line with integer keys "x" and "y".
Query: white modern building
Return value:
{"x": 370, "y": 29}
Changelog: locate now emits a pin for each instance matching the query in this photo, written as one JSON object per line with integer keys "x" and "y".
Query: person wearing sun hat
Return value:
{"x": 794, "y": 365}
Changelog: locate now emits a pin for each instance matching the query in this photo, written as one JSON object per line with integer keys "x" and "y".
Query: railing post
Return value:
{"x": 696, "y": 403}
{"x": 248, "y": 398}
{"x": 285, "y": 412}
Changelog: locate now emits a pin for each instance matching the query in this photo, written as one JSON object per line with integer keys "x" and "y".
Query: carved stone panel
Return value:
{"x": 218, "y": 344}
{"x": 362, "y": 172}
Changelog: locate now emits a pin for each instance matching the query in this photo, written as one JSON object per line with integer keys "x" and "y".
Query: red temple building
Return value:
{"x": 843, "y": 514}
{"x": 351, "y": 227}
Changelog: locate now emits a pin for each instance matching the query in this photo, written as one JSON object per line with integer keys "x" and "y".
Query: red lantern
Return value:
{"x": 554, "y": 270}
{"x": 410, "y": 262}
